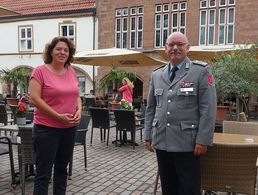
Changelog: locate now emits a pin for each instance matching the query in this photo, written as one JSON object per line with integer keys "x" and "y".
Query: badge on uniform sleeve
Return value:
{"x": 210, "y": 79}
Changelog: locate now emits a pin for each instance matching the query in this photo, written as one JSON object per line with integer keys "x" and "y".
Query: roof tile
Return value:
{"x": 27, "y": 7}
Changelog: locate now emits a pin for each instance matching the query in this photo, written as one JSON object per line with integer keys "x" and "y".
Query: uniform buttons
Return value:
{"x": 192, "y": 126}
{"x": 168, "y": 124}
{"x": 170, "y": 90}
{"x": 169, "y": 101}
{"x": 168, "y": 113}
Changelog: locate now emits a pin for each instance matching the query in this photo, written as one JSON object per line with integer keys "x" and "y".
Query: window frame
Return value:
{"x": 26, "y": 39}
{"x": 68, "y": 36}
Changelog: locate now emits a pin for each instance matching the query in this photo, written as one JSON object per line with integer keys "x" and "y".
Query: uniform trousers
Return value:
{"x": 179, "y": 173}
{"x": 53, "y": 146}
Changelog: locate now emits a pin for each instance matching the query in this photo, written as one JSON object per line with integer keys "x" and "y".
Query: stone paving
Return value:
{"x": 111, "y": 170}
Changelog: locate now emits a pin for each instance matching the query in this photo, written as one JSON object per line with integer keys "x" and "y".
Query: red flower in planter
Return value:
{"x": 21, "y": 110}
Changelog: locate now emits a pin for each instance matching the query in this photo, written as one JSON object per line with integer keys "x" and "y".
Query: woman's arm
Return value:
{"x": 78, "y": 114}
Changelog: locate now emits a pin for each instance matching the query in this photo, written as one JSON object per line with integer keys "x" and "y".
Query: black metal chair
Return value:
{"x": 9, "y": 151}
{"x": 101, "y": 119}
{"x": 125, "y": 122}
{"x": 81, "y": 140}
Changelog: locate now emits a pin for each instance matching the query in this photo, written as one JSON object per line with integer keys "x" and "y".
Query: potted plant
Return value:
{"x": 235, "y": 76}
{"x": 125, "y": 105}
{"x": 21, "y": 113}
{"x": 14, "y": 78}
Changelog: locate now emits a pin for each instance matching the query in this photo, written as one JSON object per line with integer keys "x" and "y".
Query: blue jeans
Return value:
{"x": 53, "y": 146}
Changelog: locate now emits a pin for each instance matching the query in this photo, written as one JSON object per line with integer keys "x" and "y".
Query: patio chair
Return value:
{"x": 101, "y": 119}
{"x": 235, "y": 127}
{"x": 81, "y": 140}
{"x": 25, "y": 154}
{"x": 4, "y": 116}
{"x": 125, "y": 122}
{"x": 229, "y": 168}
{"x": 9, "y": 151}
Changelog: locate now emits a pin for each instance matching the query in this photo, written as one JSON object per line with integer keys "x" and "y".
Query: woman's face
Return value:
{"x": 124, "y": 81}
{"x": 60, "y": 53}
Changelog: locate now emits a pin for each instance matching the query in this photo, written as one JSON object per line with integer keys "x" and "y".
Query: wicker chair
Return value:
{"x": 246, "y": 128}
{"x": 230, "y": 168}
{"x": 9, "y": 151}
{"x": 4, "y": 116}
{"x": 25, "y": 154}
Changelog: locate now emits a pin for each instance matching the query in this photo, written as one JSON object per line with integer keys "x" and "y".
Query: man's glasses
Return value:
{"x": 179, "y": 44}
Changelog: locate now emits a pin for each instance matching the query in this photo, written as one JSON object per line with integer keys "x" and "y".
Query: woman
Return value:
{"x": 54, "y": 92}
{"x": 127, "y": 90}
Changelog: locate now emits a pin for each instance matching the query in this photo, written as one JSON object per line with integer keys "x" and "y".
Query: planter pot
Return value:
{"x": 114, "y": 105}
{"x": 21, "y": 120}
{"x": 222, "y": 113}
{"x": 12, "y": 101}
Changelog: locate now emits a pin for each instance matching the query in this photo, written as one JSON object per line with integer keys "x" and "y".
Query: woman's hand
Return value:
{"x": 77, "y": 117}
{"x": 65, "y": 118}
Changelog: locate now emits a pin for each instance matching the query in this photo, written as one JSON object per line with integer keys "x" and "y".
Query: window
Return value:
{"x": 224, "y": 23}
{"x": 129, "y": 28}
{"x": 203, "y": 19}
{"x": 82, "y": 82}
{"x": 211, "y": 27}
{"x": 68, "y": 30}
{"x": 25, "y": 38}
{"x": 178, "y": 21}
{"x": 167, "y": 21}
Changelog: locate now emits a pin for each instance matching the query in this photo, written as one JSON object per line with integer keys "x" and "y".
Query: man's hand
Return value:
{"x": 149, "y": 145}
{"x": 200, "y": 149}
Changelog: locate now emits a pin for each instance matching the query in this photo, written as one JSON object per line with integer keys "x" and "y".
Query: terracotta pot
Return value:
{"x": 12, "y": 101}
{"x": 222, "y": 113}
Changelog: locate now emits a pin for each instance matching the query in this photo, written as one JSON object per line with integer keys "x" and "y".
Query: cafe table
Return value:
{"x": 236, "y": 139}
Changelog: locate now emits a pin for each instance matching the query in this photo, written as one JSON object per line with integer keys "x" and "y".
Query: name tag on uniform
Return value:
{"x": 188, "y": 89}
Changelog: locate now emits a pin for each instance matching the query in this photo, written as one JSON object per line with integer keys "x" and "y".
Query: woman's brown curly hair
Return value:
{"x": 47, "y": 57}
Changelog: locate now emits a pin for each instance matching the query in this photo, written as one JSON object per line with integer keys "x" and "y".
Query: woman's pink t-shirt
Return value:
{"x": 127, "y": 93}
{"x": 60, "y": 92}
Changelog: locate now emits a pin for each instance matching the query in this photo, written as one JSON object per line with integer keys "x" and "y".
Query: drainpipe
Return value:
{"x": 94, "y": 31}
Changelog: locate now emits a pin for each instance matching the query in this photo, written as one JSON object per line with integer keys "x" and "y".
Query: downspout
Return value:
{"x": 94, "y": 31}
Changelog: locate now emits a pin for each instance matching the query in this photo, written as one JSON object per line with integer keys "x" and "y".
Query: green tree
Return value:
{"x": 15, "y": 78}
{"x": 236, "y": 76}
{"x": 115, "y": 77}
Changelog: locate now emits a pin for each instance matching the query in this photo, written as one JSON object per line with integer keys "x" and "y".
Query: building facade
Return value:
{"x": 26, "y": 26}
{"x": 145, "y": 24}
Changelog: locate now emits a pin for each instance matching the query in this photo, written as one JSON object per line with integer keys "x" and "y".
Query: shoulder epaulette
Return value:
{"x": 159, "y": 67}
{"x": 200, "y": 63}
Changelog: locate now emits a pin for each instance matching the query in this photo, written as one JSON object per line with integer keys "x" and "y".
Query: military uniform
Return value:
{"x": 182, "y": 113}
{"x": 179, "y": 115}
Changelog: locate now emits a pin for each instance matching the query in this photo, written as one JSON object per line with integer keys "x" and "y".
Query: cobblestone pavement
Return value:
{"x": 111, "y": 170}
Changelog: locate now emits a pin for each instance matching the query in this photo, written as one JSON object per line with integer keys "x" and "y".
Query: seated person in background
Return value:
{"x": 91, "y": 94}
{"x": 90, "y": 99}
{"x": 101, "y": 102}
{"x": 115, "y": 96}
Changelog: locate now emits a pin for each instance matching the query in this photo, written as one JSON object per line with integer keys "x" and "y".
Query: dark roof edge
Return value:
{"x": 57, "y": 13}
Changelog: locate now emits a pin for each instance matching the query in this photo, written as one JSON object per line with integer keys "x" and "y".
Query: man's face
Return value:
{"x": 177, "y": 48}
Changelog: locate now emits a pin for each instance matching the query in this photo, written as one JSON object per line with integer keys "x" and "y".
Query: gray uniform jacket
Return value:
{"x": 182, "y": 113}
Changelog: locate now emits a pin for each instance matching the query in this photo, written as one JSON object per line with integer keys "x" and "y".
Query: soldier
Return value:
{"x": 180, "y": 117}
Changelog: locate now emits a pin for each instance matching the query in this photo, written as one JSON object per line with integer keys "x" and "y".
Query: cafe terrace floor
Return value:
{"x": 111, "y": 170}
